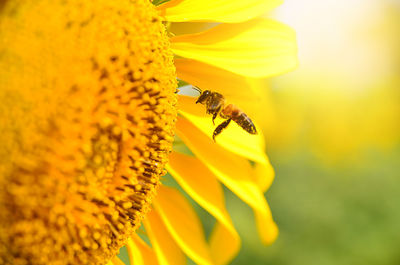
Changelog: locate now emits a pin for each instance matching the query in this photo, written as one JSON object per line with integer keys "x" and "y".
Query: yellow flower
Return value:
{"x": 87, "y": 122}
{"x": 220, "y": 59}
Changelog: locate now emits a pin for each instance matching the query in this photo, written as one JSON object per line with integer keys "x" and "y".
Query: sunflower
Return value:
{"x": 88, "y": 119}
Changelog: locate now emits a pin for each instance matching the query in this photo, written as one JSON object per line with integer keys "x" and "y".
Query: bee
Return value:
{"x": 216, "y": 105}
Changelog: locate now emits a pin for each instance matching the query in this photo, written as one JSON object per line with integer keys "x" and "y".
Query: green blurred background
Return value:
{"x": 327, "y": 215}
{"x": 333, "y": 139}
{"x": 333, "y": 130}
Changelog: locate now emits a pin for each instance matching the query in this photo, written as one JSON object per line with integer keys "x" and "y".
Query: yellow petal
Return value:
{"x": 233, "y": 172}
{"x": 183, "y": 224}
{"x": 267, "y": 103}
{"x": 200, "y": 183}
{"x": 222, "y": 248}
{"x": 135, "y": 255}
{"x": 210, "y": 77}
{"x": 189, "y": 27}
{"x": 139, "y": 252}
{"x": 233, "y": 138}
{"x": 216, "y": 10}
{"x": 115, "y": 261}
{"x": 234, "y": 87}
{"x": 167, "y": 251}
{"x": 264, "y": 175}
{"x": 257, "y": 48}
{"x": 238, "y": 142}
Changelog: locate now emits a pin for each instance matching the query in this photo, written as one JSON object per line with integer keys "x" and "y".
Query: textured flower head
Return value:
{"x": 87, "y": 121}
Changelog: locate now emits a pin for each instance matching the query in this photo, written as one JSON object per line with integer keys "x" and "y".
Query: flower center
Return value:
{"x": 86, "y": 123}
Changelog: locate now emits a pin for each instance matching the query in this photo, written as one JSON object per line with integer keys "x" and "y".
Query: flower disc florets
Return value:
{"x": 86, "y": 123}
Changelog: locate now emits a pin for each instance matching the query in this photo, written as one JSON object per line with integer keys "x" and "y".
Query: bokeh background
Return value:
{"x": 333, "y": 132}
{"x": 333, "y": 138}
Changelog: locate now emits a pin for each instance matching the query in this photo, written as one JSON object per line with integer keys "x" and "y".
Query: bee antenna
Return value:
{"x": 197, "y": 89}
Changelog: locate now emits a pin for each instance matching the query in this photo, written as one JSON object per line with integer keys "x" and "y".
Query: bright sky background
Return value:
{"x": 340, "y": 40}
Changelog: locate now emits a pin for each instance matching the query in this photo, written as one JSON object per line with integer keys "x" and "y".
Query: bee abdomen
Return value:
{"x": 245, "y": 122}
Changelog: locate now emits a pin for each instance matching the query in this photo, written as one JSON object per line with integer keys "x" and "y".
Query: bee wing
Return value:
{"x": 188, "y": 90}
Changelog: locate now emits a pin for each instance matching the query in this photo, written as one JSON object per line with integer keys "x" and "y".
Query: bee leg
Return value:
{"x": 220, "y": 127}
{"x": 215, "y": 114}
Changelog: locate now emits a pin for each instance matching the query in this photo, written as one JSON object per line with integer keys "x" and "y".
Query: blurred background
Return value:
{"x": 333, "y": 132}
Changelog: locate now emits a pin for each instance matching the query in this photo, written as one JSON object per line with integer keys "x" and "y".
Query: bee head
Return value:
{"x": 203, "y": 96}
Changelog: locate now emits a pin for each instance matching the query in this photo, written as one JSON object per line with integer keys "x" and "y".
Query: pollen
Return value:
{"x": 87, "y": 120}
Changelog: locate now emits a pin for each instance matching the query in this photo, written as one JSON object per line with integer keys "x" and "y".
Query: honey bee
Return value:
{"x": 216, "y": 104}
